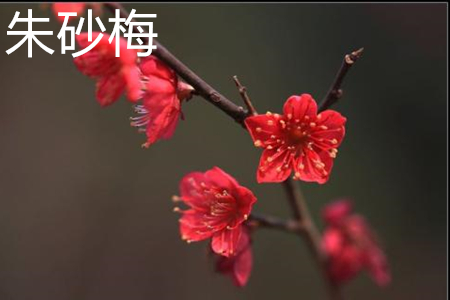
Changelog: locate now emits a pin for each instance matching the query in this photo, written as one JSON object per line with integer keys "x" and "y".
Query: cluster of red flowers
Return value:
{"x": 149, "y": 81}
{"x": 300, "y": 141}
{"x": 149, "y": 84}
{"x": 351, "y": 245}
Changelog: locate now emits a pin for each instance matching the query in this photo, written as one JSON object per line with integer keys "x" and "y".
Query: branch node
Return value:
{"x": 338, "y": 93}
{"x": 214, "y": 97}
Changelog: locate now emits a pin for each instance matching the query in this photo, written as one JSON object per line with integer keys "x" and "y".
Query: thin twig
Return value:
{"x": 335, "y": 92}
{"x": 243, "y": 92}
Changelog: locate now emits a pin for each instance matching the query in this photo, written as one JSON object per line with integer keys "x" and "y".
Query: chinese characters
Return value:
{"x": 137, "y": 38}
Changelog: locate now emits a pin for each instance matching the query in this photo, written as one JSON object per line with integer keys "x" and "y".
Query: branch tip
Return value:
{"x": 336, "y": 92}
{"x": 354, "y": 56}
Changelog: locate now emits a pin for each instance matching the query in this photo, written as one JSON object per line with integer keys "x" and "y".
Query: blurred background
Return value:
{"x": 86, "y": 213}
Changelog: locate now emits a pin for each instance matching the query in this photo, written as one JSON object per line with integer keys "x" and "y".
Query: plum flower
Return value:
{"x": 161, "y": 103}
{"x": 114, "y": 74}
{"x": 351, "y": 246}
{"x": 300, "y": 140}
{"x": 238, "y": 266}
{"x": 218, "y": 206}
{"x": 77, "y": 7}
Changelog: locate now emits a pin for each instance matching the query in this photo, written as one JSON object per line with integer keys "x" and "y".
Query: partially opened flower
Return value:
{"x": 218, "y": 206}
{"x": 114, "y": 75}
{"x": 300, "y": 140}
{"x": 76, "y": 7}
{"x": 238, "y": 266}
{"x": 351, "y": 246}
{"x": 161, "y": 103}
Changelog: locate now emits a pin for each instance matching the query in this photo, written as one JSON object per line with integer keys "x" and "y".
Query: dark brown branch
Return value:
{"x": 243, "y": 92}
{"x": 238, "y": 113}
{"x": 301, "y": 213}
{"x": 309, "y": 232}
{"x": 335, "y": 92}
{"x": 259, "y": 220}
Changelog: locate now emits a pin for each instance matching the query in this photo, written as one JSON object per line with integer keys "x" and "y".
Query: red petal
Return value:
{"x": 333, "y": 133}
{"x": 109, "y": 89}
{"x": 262, "y": 127}
{"x": 243, "y": 267}
{"x": 87, "y": 64}
{"x": 300, "y": 106}
{"x": 133, "y": 81}
{"x": 219, "y": 178}
{"x": 346, "y": 265}
{"x": 333, "y": 241}
{"x": 239, "y": 266}
{"x": 115, "y": 73}
{"x": 359, "y": 229}
{"x": 151, "y": 66}
{"x": 163, "y": 125}
{"x": 272, "y": 166}
{"x": 99, "y": 61}
{"x": 190, "y": 185}
{"x": 313, "y": 166}
{"x": 83, "y": 39}
{"x": 245, "y": 200}
{"x": 106, "y": 52}
{"x": 226, "y": 241}
{"x": 192, "y": 191}
{"x": 192, "y": 227}
{"x": 336, "y": 212}
{"x": 377, "y": 266}
{"x": 159, "y": 90}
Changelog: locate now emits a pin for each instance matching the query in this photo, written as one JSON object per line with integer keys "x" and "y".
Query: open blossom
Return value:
{"x": 161, "y": 103}
{"x": 351, "y": 246}
{"x": 300, "y": 140}
{"x": 238, "y": 266}
{"x": 76, "y": 7}
{"x": 218, "y": 206}
{"x": 114, "y": 75}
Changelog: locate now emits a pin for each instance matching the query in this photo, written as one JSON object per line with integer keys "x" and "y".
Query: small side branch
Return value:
{"x": 335, "y": 92}
{"x": 243, "y": 92}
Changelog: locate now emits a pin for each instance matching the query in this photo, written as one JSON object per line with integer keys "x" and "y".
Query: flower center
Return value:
{"x": 297, "y": 135}
{"x": 223, "y": 210}
{"x": 223, "y": 206}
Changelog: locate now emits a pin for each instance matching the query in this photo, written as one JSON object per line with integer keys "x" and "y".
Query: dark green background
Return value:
{"x": 86, "y": 213}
